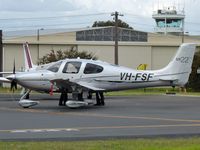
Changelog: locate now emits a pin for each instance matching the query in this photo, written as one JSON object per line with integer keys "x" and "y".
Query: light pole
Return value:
{"x": 1, "y": 55}
{"x": 38, "y": 41}
{"x": 183, "y": 30}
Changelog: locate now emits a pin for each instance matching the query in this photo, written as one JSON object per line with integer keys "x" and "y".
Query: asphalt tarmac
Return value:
{"x": 121, "y": 117}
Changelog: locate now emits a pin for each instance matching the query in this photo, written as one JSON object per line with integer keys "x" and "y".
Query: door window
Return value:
{"x": 72, "y": 67}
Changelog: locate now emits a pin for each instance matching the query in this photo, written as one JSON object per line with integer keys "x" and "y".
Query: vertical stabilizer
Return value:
{"x": 27, "y": 57}
{"x": 180, "y": 66}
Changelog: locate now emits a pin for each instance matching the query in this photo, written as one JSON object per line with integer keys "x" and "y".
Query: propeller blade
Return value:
{"x": 13, "y": 85}
{"x": 14, "y": 67}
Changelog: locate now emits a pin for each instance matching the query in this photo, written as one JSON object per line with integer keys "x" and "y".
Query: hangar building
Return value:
{"x": 135, "y": 47}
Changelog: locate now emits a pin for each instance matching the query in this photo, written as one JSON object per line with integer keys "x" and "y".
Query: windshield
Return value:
{"x": 55, "y": 67}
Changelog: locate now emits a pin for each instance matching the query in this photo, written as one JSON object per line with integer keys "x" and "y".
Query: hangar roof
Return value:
{"x": 92, "y": 35}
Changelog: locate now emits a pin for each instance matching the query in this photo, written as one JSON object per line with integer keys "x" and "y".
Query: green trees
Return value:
{"x": 72, "y": 53}
{"x": 111, "y": 23}
{"x": 194, "y": 80}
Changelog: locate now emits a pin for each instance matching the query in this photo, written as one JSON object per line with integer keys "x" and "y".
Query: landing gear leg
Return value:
{"x": 80, "y": 96}
{"x": 25, "y": 103}
{"x": 23, "y": 92}
{"x": 89, "y": 95}
{"x": 63, "y": 98}
{"x": 26, "y": 95}
{"x": 100, "y": 99}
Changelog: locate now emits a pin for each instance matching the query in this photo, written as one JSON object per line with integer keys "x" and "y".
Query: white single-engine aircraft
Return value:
{"x": 80, "y": 75}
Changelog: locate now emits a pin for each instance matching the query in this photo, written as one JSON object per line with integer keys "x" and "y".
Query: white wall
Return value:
{"x": 130, "y": 55}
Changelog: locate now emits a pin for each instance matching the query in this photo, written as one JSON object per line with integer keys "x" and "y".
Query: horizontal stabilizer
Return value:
{"x": 168, "y": 79}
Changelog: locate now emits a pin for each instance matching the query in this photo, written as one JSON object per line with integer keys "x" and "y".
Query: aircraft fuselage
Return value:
{"x": 111, "y": 78}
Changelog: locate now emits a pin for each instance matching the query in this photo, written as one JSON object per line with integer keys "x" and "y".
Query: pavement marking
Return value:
{"x": 99, "y": 115}
{"x": 139, "y": 126}
{"x": 135, "y": 117}
{"x": 40, "y": 130}
{"x": 179, "y": 95}
{"x": 29, "y": 110}
{"x": 95, "y": 128}
{"x": 16, "y": 131}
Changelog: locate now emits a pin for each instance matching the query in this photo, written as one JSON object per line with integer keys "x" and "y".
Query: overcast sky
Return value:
{"x": 82, "y": 13}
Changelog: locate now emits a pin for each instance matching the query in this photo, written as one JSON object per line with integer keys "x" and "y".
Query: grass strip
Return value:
{"x": 124, "y": 144}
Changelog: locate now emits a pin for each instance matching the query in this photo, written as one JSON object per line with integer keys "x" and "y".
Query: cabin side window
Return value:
{"x": 92, "y": 68}
{"x": 72, "y": 67}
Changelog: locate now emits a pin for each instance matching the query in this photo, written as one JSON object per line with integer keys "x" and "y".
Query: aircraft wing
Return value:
{"x": 6, "y": 72}
{"x": 2, "y": 79}
{"x": 84, "y": 84}
{"x": 66, "y": 83}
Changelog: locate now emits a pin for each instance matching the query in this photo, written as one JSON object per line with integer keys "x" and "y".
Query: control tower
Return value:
{"x": 169, "y": 21}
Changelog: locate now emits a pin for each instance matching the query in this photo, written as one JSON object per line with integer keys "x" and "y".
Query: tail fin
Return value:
{"x": 179, "y": 68}
{"x": 27, "y": 57}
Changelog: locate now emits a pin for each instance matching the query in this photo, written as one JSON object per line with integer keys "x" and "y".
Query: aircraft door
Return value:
{"x": 71, "y": 70}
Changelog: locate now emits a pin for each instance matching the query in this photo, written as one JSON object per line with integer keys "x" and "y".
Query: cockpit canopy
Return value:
{"x": 73, "y": 67}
